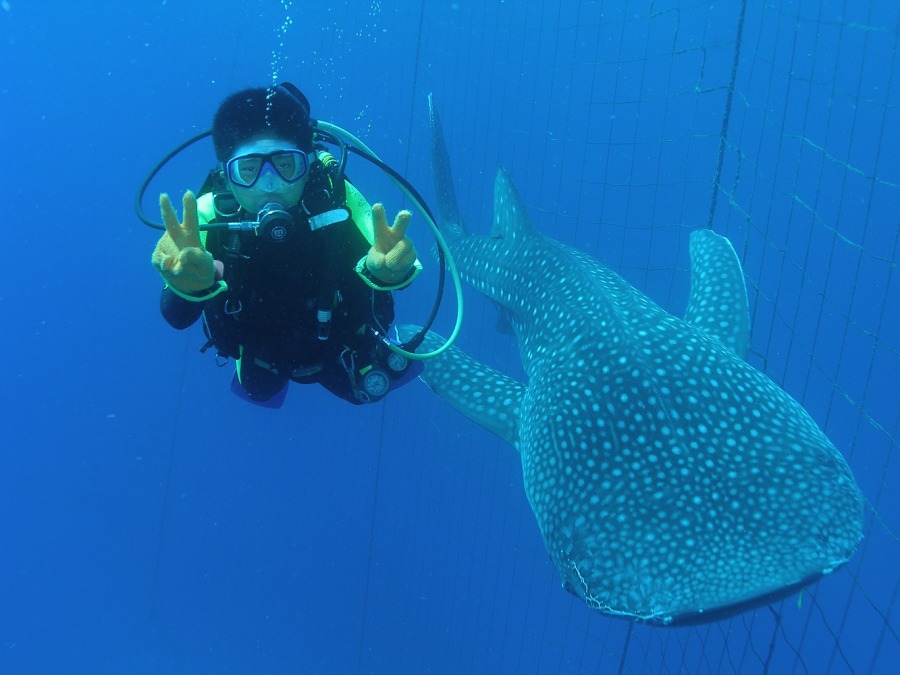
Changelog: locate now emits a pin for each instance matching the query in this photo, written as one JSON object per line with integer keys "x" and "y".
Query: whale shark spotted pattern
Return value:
{"x": 671, "y": 481}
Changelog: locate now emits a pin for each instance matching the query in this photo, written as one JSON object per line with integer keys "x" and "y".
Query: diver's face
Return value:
{"x": 267, "y": 170}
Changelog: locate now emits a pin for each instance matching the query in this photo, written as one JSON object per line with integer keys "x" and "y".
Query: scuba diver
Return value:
{"x": 298, "y": 287}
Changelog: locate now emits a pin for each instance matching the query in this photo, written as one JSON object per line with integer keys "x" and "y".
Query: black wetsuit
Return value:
{"x": 278, "y": 288}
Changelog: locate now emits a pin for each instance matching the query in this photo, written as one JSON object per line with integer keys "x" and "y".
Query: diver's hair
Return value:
{"x": 281, "y": 110}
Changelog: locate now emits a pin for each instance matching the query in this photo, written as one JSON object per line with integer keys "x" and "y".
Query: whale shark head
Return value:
{"x": 671, "y": 481}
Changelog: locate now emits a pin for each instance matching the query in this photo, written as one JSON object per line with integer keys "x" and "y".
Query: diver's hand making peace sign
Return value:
{"x": 393, "y": 255}
{"x": 179, "y": 255}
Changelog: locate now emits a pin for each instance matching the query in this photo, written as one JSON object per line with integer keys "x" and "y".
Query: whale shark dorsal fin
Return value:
{"x": 718, "y": 303}
{"x": 511, "y": 221}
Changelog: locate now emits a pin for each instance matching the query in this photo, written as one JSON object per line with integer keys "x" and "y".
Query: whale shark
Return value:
{"x": 672, "y": 482}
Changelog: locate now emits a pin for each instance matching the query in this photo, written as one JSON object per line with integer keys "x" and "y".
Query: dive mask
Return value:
{"x": 288, "y": 165}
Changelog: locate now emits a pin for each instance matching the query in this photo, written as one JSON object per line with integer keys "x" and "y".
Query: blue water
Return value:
{"x": 151, "y": 522}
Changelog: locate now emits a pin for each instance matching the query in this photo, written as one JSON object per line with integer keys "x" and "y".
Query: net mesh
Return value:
{"x": 625, "y": 126}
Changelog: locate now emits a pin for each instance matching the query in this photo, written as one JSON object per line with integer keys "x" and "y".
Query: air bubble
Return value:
{"x": 278, "y": 55}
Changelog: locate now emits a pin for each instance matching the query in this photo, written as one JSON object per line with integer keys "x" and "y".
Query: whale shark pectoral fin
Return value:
{"x": 718, "y": 304}
{"x": 485, "y": 396}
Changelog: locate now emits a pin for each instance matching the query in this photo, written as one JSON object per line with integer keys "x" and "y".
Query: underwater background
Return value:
{"x": 152, "y": 522}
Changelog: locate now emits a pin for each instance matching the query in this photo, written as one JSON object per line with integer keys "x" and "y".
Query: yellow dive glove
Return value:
{"x": 185, "y": 265}
{"x": 392, "y": 258}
